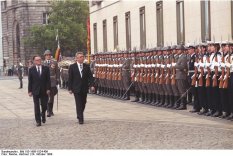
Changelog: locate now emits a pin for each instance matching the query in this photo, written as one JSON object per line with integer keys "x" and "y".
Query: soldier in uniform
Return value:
{"x": 54, "y": 77}
{"x": 126, "y": 75}
{"x": 20, "y": 74}
{"x": 181, "y": 77}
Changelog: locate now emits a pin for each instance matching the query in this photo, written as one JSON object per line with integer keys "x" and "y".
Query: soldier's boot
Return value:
{"x": 162, "y": 100}
{"x": 149, "y": 98}
{"x": 49, "y": 110}
{"x": 145, "y": 98}
{"x": 142, "y": 98}
{"x": 171, "y": 102}
{"x": 157, "y": 100}
{"x": 182, "y": 104}
{"x": 166, "y": 103}
{"x": 176, "y": 102}
{"x": 128, "y": 96}
{"x": 21, "y": 86}
{"x": 137, "y": 95}
{"x": 100, "y": 91}
{"x": 153, "y": 100}
{"x": 119, "y": 94}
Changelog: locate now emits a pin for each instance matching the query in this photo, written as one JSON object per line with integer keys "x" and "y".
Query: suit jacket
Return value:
{"x": 78, "y": 84}
{"x": 181, "y": 67}
{"x": 39, "y": 84}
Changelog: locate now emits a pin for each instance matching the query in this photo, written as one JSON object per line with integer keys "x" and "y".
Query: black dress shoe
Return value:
{"x": 43, "y": 120}
{"x": 217, "y": 114}
{"x": 194, "y": 111}
{"x": 38, "y": 124}
{"x": 224, "y": 115}
{"x": 52, "y": 114}
{"x": 80, "y": 122}
{"x": 230, "y": 117}
{"x": 182, "y": 107}
{"x": 202, "y": 112}
{"x": 48, "y": 114}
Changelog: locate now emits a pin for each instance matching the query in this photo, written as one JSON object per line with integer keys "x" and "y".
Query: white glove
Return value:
{"x": 208, "y": 64}
{"x": 228, "y": 65}
{"x": 223, "y": 65}
{"x": 168, "y": 65}
{"x": 225, "y": 77}
{"x": 158, "y": 65}
{"x": 173, "y": 64}
{"x": 216, "y": 64}
{"x": 202, "y": 65}
{"x": 162, "y": 66}
{"x": 153, "y": 65}
{"x": 196, "y": 64}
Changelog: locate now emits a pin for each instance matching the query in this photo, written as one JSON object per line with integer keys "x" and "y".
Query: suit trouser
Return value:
{"x": 40, "y": 99}
{"x": 80, "y": 101}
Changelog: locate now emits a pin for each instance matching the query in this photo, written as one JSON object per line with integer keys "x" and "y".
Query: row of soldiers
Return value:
{"x": 170, "y": 77}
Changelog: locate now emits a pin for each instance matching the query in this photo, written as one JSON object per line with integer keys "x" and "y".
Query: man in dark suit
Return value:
{"x": 80, "y": 78}
{"x": 39, "y": 87}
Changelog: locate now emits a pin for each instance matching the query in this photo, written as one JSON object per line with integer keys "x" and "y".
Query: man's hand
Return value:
{"x": 48, "y": 92}
{"x": 30, "y": 94}
{"x": 70, "y": 92}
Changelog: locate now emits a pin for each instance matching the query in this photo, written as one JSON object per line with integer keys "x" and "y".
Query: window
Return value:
{"x": 45, "y": 18}
{"x": 3, "y": 4}
{"x": 95, "y": 37}
{"x": 115, "y": 31}
{"x": 159, "y": 16}
{"x": 180, "y": 22}
{"x": 142, "y": 28}
{"x": 128, "y": 30}
{"x": 105, "y": 35}
{"x": 205, "y": 21}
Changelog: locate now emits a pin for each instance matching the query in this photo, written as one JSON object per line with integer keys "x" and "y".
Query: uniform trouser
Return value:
{"x": 126, "y": 84}
{"x": 53, "y": 92}
{"x": 182, "y": 86}
{"x": 191, "y": 92}
{"x": 216, "y": 101}
{"x": 224, "y": 100}
{"x": 155, "y": 88}
{"x": 160, "y": 89}
{"x": 196, "y": 104}
{"x": 165, "y": 89}
{"x": 144, "y": 88}
{"x": 230, "y": 93}
{"x": 140, "y": 87}
{"x": 149, "y": 88}
{"x": 21, "y": 82}
{"x": 136, "y": 86}
{"x": 175, "y": 90}
{"x": 202, "y": 97}
{"x": 169, "y": 89}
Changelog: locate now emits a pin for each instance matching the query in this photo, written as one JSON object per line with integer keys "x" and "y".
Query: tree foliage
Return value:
{"x": 69, "y": 18}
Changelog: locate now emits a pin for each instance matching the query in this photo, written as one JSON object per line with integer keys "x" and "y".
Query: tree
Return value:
{"x": 69, "y": 18}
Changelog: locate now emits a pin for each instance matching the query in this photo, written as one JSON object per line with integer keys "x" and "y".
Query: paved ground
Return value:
{"x": 109, "y": 124}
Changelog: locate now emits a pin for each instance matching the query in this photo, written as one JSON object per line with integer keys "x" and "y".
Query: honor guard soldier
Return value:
{"x": 181, "y": 77}
{"x": 54, "y": 77}
{"x": 126, "y": 75}
{"x": 20, "y": 74}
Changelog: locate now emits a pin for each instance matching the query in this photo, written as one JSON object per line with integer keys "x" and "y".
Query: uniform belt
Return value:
{"x": 126, "y": 69}
{"x": 191, "y": 71}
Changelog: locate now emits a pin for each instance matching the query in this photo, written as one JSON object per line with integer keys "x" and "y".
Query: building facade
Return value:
{"x": 17, "y": 17}
{"x": 127, "y": 25}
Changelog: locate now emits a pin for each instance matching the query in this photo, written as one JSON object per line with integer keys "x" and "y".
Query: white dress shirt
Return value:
{"x": 80, "y": 67}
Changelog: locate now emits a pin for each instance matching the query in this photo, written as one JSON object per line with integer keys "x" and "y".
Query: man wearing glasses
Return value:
{"x": 39, "y": 86}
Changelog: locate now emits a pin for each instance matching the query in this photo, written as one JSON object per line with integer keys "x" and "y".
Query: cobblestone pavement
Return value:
{"x": 109, "y": 124}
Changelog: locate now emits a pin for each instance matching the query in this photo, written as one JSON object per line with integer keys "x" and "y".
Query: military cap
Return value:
{"x": 180, "y": 47}
{"x": 173, "y": 47}
{"x": 164, "y": 49}
{"x": 47, "y": 52}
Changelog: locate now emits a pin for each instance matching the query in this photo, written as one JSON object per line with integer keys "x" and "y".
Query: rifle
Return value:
{"x": 207, "y": 84}
{"x": 145, "y": 76}
{"x": 200, "y": 78}
{"x": 161, "y": 77}
{"x": 148, "y": 76}
{"x": 141, "y": 75}
{"x": 152, "y": 79}
{"x": 215, "y": 80}
{"x": 173, "y": 77}
{"x": 167, "y": 78}
{"x": 194, "y": 77}
{"x": 226, "y": 78}
{"x": 222, "y": 74}
{"x": 157, "y": 71}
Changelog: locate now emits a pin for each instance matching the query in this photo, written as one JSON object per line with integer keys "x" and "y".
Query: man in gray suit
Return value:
{"x": 181, "y": 77}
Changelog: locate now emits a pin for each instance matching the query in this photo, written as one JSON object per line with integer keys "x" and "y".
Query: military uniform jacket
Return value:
{"x": 181, "y": 67}
{"x": 54, "y": 71}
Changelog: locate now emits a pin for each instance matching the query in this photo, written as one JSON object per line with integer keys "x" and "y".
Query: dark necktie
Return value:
{"x": 81, "y": 69}
{"x": 38, "y": 70}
